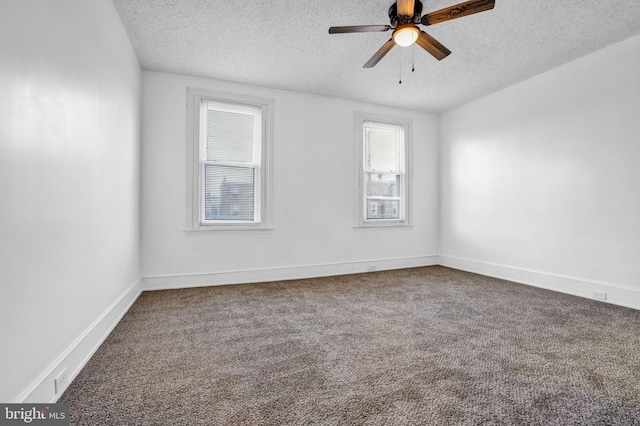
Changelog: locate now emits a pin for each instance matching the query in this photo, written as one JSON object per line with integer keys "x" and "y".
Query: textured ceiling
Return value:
{"x": 284, "y": 44}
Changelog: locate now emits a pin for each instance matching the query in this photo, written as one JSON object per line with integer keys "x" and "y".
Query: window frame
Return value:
{"x": 196, "y": 143}
{"x": 405, "y": 149}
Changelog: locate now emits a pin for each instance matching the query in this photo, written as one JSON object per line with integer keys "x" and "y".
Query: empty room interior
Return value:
{"x": 270, "y": 213}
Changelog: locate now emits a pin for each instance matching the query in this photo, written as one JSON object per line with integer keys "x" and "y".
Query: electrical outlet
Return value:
{"x": 599, "y": 295}
{"x": 60, "y": 381}
{"x": 372, "y": 268}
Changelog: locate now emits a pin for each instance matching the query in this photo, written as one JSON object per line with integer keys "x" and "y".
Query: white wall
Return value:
{"x": 313, "y": 198}
{"x": 540, "y": 181}
{"x": 69, "y": 184}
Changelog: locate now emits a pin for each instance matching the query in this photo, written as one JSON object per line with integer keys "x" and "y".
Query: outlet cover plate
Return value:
{"x": 60, "y": 381}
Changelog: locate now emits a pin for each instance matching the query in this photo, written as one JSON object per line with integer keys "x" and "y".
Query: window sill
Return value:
{"x": 208, "y": 230}
{"x": 383, "y": 225}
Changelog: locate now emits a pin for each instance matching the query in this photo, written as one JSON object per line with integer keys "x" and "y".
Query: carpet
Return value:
{"x": 419, "y": 346}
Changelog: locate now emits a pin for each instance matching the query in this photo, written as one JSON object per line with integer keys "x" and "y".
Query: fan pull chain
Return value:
{"x": 413, "y": 68}
{"x": 400, "y": 64}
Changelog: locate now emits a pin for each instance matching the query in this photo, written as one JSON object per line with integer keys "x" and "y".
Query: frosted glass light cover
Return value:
{"x": 406, "y": 36}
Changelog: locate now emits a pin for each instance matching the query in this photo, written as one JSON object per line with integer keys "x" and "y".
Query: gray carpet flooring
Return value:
{"x": 431, "y": 346}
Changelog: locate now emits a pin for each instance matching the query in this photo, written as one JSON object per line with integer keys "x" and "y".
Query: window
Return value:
{"x": 228, "y": 161}
{"x": 382, "y": 150}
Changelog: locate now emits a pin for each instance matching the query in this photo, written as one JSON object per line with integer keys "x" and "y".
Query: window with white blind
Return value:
{"x": 382, "y": 153}
{"x": 228, "y": 162}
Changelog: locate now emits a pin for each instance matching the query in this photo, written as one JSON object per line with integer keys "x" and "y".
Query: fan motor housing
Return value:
{"x": 398, "y": 20}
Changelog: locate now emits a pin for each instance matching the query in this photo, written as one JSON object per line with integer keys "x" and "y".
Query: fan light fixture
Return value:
{"x": 405, "y": 35}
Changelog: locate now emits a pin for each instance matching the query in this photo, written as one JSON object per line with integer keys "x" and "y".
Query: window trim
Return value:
{"x": 194, "y": 205}
{"x": 360, "y": 118}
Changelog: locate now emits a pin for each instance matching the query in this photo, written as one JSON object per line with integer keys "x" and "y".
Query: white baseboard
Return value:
{"x": 78, "y": 353}
{"x": 164, "y": 282}
{"x": 616, "y": 294}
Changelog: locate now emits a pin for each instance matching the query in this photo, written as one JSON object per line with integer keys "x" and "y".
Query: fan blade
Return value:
{"x": 405, "y": 7}
{"x": 432, "y": 46}
{"x": 457, "y": 11}
{"x": 380, "y": 54}
{"x": 359, "y": 29}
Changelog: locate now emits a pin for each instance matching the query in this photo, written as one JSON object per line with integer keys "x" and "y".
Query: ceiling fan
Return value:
{"x": 404, "y": 16}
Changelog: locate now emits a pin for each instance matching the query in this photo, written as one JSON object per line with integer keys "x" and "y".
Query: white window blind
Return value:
{"x": 230, "y": 162}
{"x": 383, "y": 171}
{"x": 382, "y": 151}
